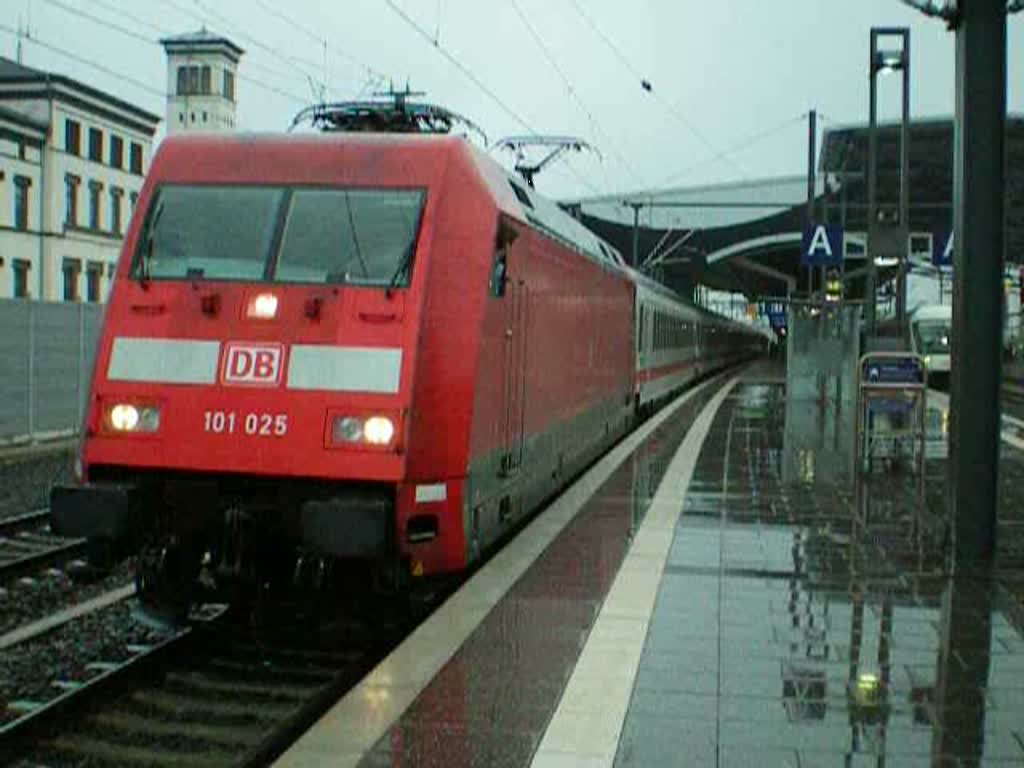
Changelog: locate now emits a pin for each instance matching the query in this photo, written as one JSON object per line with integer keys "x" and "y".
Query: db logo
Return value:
{"x": 253, "y": 364}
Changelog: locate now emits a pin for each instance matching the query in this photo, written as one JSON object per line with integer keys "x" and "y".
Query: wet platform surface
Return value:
{"x": 795, "y": 626}
{"x": 795, "y": 623}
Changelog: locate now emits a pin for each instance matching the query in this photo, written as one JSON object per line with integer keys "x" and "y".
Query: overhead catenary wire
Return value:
{"x": 648, "y": 87}
{"x": 331, "y": 48}
{"x": 411, "y": 22}
{"x": 472, "y": 77}
{"x": 741, "y": 145}
{"x": 573, "y": 94}
{"x": 85, "y": 61}
{"x": 165, "y": 32}
{"x": 143, "y": 38}
{"x": 303, "y": 66}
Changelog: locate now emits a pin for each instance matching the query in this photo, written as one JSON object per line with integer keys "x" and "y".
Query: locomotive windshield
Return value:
{"x": 282, "y": 234}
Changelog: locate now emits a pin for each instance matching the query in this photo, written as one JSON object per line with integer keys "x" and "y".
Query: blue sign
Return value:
{"x": 775, "y": 311}
{"x": 822, "y": 246}
{"x": 893, "y": 370}
{"x": 942, "y": 248}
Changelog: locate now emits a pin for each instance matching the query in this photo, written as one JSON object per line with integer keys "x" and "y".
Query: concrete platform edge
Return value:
{"x": 588, "y": 722}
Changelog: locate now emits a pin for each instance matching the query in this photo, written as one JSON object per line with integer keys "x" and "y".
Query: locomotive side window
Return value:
{"x": 284, "y": 234}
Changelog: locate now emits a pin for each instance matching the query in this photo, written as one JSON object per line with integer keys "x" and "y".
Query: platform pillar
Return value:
{"x": 978, "y": 219}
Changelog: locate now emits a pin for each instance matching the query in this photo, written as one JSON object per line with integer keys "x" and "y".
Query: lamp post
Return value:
{"x": 886, "y": 236}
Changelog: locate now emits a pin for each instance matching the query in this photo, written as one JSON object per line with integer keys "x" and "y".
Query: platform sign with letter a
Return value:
{"x": 942, "y": 249}
{"x": 822, "y": 246}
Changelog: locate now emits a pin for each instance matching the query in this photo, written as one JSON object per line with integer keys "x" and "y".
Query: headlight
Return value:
{"x": 347, "y": 429}
{"x": 369, "y": 430}
{"x": 378, "y": 430}
{"x": 126, "y": 417}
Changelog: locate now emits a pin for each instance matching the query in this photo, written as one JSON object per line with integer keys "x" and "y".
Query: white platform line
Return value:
{"x": 586, "y": 726}
{"x": 354, "y": 725}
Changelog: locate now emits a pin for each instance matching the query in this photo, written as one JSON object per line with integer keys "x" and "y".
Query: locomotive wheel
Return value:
{"x": 165, "y": 581}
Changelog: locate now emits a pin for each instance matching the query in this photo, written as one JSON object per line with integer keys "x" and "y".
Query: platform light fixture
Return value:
{"x": 890, "y": 52}
{"x": 887, "y": 62}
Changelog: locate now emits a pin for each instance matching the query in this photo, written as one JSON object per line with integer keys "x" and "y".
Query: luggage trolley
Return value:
{"x": 891, "y": 411}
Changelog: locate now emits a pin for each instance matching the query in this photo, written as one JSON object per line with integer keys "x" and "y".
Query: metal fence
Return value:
{"x": 46, "y": 349}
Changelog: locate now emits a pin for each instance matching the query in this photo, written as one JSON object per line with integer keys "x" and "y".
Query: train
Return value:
{"x": 931, "y": 336}
{"x": 350, "y": 359}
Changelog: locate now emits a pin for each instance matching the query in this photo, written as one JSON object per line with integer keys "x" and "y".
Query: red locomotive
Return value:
{"x": 367, "y": 351}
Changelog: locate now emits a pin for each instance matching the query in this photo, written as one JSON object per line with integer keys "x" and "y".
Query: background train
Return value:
{"x": 357, "y": 356}
{"x": 931, "y": 335}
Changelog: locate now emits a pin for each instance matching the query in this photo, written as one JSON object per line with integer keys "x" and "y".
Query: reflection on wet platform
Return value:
{"x": 799, "y": 625}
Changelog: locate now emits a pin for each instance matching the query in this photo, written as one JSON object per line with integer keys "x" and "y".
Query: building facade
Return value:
{"x": 72, "y": 162}
{"x": 202, "y": 70}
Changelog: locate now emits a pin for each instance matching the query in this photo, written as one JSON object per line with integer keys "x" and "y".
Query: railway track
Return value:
{"x": 203, "y": 697}
{"x": 27, "y": 545}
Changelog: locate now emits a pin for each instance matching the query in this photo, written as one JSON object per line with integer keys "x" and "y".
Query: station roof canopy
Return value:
{"x": 746, "y": 236}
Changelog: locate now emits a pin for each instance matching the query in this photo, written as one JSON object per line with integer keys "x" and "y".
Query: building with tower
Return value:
{"x": 202, "y": 71}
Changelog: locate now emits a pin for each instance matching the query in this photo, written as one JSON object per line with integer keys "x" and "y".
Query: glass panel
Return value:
{"x": 349, "y": 236}
{"x": 361, "y": 236}
{"x": 211, "y": 232}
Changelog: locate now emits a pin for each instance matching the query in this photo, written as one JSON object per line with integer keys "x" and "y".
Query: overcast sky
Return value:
{"x": 720, "y": 72}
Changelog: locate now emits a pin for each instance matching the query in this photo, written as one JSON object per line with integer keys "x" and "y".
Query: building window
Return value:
{"x": 95, "y": 189}
{"x": 93, "y": 275}
{"x": 194, "y": 80}
{"x": 21, "y": 185}
{"x": 117, "y": 152}
{"x": 21, "y": 267}
{"x": 204, "y": 117}
{"x": 229, "y": 85}
{"x": 71, "y": 268}
{"x": 72, "y": 137}
{"x": 71, "y": 183}
{"x": 135, "y": 158}
{"x": 96, "y": 145}
{"x": 133, "y": 200}
{"x": 115, "y": 209}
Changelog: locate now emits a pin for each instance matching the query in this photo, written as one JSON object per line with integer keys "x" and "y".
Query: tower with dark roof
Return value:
{"x": 202, "y": 76}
